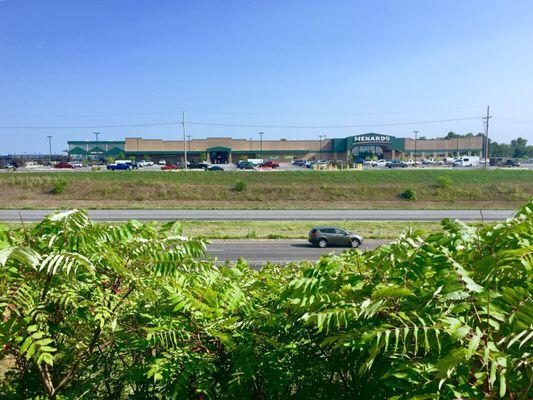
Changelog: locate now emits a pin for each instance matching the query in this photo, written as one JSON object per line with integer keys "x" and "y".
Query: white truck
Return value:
{"x": 255, "y": 161}
{"x": 467, "y": 161}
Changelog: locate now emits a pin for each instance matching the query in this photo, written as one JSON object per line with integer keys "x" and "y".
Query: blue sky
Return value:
{"x": 311, "y": 63}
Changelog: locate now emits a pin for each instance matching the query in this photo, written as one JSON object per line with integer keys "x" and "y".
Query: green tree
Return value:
{"x": 519, "y": 147}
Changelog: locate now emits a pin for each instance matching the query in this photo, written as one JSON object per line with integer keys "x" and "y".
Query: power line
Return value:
{"x": 235, "y": 125}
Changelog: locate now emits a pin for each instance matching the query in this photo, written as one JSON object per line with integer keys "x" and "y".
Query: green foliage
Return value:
{"x": 444, "y": 182}
{"x": 129, "y": 311}
{"x": 408, "y": 194}
{"x": 59, "y": 186}
{"x": 240, "y": 186}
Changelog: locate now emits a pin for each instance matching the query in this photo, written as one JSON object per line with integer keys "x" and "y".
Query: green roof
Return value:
{"x": 77, "y": 150}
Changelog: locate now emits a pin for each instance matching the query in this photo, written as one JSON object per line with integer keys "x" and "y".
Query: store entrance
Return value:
{"x": 219, "y": 157}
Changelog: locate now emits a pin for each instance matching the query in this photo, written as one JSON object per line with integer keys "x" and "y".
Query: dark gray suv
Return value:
{"x": 324, "y": 236}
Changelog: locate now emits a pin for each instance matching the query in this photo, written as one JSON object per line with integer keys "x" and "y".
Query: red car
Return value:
{"x": 270, "y": 164}
{"x": 63, "y": 165}
{"x": 169, "y": 167}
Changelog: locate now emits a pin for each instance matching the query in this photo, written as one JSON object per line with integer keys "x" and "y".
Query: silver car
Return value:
{"x": 324, "y": 236}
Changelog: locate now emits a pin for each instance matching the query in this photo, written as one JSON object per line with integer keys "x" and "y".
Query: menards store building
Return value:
{"x": 227, "y": 150}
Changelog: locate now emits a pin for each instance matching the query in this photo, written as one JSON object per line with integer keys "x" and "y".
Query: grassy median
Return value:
{"x": 299, "y": 229}
{"x": 423, "y": 188}
{"x": 220, "y": 230}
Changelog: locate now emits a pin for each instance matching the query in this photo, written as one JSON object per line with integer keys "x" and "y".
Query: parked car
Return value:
{"x": 169, "y": 167}
{"x": 511, "y": 163}
{"x": 469, "y": 161}
{"x": 429, "y": 161}
{"x": 396, "y": 164}
{"x": 118, "y": 167}
{"x": 162, "y": 162}
{"x": 270, "y": 164}
{"x": 214, "y": 168}
{"x": 378, "y": 163}
{"x": 196, "y": 166}
{"x": 245, "y": 165}
{"x": 359, "y": 161}
{"x": 309, "y": 164}
{"x": 12, "y": 165}
{"x": 77, "y": 165}
{"x": 496, "y": 161}
{"x": 324, "y": 236}
{"x": 63, "y": 165}
{"x": 412, "y": 163}
{"x": 298, "y": 161}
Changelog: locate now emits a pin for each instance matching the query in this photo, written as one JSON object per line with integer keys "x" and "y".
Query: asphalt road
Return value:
{"x": 269, "y": 215}
{"x": 259, "y": 252}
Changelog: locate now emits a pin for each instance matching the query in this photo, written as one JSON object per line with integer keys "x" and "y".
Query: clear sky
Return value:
{"x": 304, "y": 63}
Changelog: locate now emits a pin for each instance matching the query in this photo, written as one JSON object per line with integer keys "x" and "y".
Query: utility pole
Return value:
{"x": 189, "y": 140}
{"x": 184, "y": 141}
{"x": 50, "y": 147}
{"x": 486, "y": 123}
{"x": 261, "y": 136}
{"x": 250, "y": 144}
{"x": 416, "y": 137}
{"x": 96, "y": 134}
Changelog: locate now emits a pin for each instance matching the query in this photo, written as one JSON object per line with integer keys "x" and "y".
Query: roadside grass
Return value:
{"x": 291, "y": 189}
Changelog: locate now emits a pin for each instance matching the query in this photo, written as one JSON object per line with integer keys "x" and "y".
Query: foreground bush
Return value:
{"x": 99, "y": 311}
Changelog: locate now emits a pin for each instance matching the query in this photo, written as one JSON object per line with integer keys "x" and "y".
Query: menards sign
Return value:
{"x": 372, "y": 138}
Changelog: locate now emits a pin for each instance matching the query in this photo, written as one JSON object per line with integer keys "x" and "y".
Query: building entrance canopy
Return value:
{"x": 375, "y": 143}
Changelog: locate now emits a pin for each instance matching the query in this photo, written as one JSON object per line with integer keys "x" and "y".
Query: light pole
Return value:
{"x": 320, "y": 148}
{"x": 50, "y": 148}
{"x": 251, "y": 144}
{"x": 416, "y": 137}
{"x": 189, "y": 140}
{"x": 184, "y": 141}
{"x": 261, "y": 136}
{"x": 96, "y": 134}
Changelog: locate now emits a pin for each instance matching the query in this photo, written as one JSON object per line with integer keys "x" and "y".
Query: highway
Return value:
{"x": 259, "y": 252}
{"x": 269, "y": 215}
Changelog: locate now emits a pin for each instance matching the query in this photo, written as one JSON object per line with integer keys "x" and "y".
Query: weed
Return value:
{"x": 240, "y": 186}
{"x": 408, "y": 194}
{"x": 251, "y": 235}
{"x": 444, "y": 182}
{"x": 59, "y": 186}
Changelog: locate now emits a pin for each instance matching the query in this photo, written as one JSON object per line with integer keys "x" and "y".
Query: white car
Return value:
{"x": 162, "y": 162}
{"x": 77, "y": 165}
{"x": 378, "y": 163}
{"x": 144, "y": 163}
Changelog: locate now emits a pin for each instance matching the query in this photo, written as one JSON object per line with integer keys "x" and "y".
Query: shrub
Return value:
{"x": 408, "y": 194}
{"x": 59, "y": 186}
{"x": 134, "y": 311}
{"x": 240, "y": 186}
{"x": 444, "y": 182}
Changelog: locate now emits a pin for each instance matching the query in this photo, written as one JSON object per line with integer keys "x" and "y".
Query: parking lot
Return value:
{"x": 233, "y": 167}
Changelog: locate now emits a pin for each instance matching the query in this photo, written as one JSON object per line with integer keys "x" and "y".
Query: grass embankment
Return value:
{"x": 276, "y": 190}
